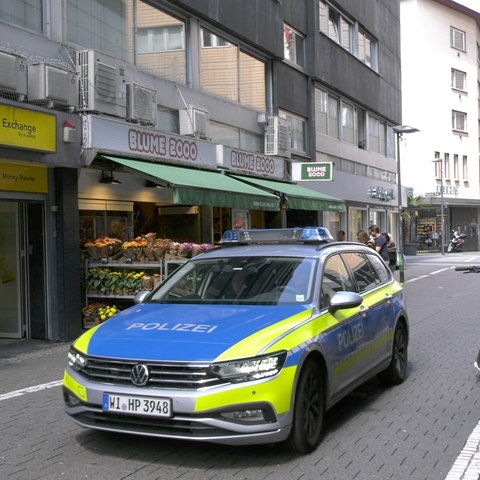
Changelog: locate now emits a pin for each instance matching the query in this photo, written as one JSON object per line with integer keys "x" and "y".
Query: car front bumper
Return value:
{"x": 233, "y": 414}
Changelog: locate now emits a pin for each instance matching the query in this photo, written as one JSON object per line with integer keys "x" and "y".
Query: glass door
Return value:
{"x": 10, "y": 273}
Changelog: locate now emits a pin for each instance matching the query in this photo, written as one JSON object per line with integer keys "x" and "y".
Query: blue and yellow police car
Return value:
{"x": 249, "y": 343}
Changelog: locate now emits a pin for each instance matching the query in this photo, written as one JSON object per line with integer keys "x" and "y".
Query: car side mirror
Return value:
{"x": 141, "y": 296}
{"x": 341, "y": 300}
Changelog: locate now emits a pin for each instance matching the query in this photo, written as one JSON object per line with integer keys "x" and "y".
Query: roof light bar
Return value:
{"x": 277, "y": 235}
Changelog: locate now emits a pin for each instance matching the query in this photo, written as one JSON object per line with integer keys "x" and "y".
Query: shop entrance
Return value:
{"x": 22, "y": 270}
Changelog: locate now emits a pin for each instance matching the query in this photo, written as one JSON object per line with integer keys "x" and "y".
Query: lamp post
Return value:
{"x": 399, "y": 131}
{"x": 439, "y": 161}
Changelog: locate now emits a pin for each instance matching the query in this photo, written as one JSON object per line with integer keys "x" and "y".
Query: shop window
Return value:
{"x": 97, "y": 223}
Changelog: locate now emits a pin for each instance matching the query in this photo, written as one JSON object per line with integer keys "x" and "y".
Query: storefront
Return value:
{"x": 32, "y": 157}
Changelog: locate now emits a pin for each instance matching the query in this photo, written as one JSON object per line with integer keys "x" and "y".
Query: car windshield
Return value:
{"x": 240, "y": 280}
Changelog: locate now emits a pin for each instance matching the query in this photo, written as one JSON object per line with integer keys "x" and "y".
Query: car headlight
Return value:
{"x": 76, "y": 360}
{"x": 248, "y": 369}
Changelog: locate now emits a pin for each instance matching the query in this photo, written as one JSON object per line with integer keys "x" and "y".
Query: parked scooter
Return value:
{"x": 456, "y": 242}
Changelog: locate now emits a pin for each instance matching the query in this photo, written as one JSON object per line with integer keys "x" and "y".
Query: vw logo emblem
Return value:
{"x": 140, "y": 375}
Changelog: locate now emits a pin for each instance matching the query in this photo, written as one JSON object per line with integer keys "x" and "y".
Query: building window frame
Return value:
{"x": 293, "y": 46}
{"x": 458, "y": 39}
{"x": 459, "y": 80}
{"x": 459, "y": 121}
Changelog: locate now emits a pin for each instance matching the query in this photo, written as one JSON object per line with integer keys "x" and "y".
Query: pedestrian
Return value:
{"x": 381, "y": 244}
{"x": 341, "y": 236}
{"x": 392, "y": 252}
{"x": 364, "y": 237}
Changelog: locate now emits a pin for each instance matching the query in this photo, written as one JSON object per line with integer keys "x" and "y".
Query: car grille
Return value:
{"x": 162, "y": 374}
{"x": 149, "y": 426}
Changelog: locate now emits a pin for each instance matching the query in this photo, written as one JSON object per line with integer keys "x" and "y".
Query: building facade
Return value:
{"x": 440, "y": 79}
{"x": 183, "y": 119}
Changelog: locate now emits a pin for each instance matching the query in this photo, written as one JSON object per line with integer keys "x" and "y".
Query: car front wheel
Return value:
{"x": 308, "y": 410}
{"x": 397, "y": 370}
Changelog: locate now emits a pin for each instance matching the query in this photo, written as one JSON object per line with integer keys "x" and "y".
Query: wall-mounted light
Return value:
{"x": 150, "y": 184}
{"x": 107, "y": 177}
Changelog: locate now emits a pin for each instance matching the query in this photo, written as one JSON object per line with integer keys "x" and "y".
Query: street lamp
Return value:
{"x": 399, "y": 131}
{"x": 439, "y": 161}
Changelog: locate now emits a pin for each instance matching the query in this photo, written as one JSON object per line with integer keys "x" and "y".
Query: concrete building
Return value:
{"x": 234, "y": 110}
{"x": 440, "y": 78}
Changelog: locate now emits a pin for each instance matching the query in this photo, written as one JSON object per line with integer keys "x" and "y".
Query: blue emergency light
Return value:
{"x": 277, "y": 235}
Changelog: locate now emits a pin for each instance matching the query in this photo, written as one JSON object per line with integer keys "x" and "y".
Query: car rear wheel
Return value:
{"x": 397, "y": 370}
{"x": 308, "y": 410}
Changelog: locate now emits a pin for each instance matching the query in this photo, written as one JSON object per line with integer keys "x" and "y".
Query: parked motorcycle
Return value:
{"x": 456, "y": 242}
{"x": 471, "y": 269}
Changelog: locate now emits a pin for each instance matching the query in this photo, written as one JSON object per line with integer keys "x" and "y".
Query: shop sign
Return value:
{"x": 130, "y": 140}
{"x": 320, "y": 171}
{"x": 23, "y": 177}
{"x": 250, "y": 162}
{"x": 22, "y": 128}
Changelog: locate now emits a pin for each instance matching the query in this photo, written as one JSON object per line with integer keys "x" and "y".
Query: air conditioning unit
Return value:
{"x": 194, "y": 121}
{"x": 101, "y": 86}
{"x": 49, "y": 83}
{"x": 13, "y": 74}
{"x": 141, "y": 104}
{"x": 277, "y": 137}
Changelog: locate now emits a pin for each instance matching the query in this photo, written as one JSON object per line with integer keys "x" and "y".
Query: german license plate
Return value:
{"x": 137, "y": 405}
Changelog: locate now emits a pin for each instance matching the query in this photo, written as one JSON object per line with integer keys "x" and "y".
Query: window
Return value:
{"x": 465, "y": 168}
{"x": 297, "y": 130}
{"x": 376, "y": 135}
{"x": 335, "y": 279}
{"x": 342, "y": 31}
{"x": 229, "y": 72}
{"x": 459, "y": 121}
{"x": 98, "y": 24}
{"x": 455, "y": 168}
{"x": 348, "y": 123}
{"x": 160, "y": 39}
{"x": 364, "y": 275}
{"x": 293, "y": 46}
{"x": 333, "y": 116}
{"x": 25, "y": 13}
{"x": 446, "y": 166}
{"x": 160, "y": 43}
{"x": 211, "y": 40}
{"x": 321, "y": 110}
{"x": 367, "y": 49}
{"x": 458, "y": 80}
{"x": 457, "y": 39}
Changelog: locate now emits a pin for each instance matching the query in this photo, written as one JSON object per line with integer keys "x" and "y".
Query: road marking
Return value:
{"x": 467, "y": 464}
{"x": 36, "y": 388}
{"x": 411, "y": 280}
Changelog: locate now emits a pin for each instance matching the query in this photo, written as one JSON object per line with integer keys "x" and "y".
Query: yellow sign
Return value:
{"x": 24, "y": 128}
{"x": 23, "y": 177}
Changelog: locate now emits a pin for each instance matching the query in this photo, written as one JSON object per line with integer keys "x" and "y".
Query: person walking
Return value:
{"x": 381, "y": 244}
{"x": 364, "y": 237}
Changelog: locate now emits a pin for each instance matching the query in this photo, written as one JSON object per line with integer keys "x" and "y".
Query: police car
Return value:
{"x": 248, "y": 343}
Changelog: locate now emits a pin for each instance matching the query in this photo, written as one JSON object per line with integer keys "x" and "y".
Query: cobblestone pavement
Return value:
{"x": 420, "y": 430}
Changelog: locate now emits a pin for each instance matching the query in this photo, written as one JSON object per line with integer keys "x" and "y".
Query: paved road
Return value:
{"x": 416, "y": 430}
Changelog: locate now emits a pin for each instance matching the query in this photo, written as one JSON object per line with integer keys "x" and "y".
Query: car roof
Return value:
{"x": 286, "y": 249}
